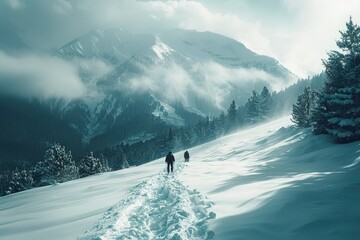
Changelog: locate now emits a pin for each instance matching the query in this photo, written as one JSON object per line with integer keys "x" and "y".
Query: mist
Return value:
{"x": 210, "y": 82}
{"x": 297, "y": 33}
{"x": 41, "y": 76}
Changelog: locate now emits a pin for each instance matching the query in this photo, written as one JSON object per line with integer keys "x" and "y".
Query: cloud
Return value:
{"x": 43, "y": 28}
{"x": 94, "y": 68}
{"x": 241, "y": 77}
{"x": 166, "y": 82}
{"x": 313, "y": 34}
{"x": 221, "y": 84}
{"x": 297, "y": 33}
{"x": 15, "y": 4}
{"x": 210, "y": 82}
{"x": 39, "y": 76}
{"x": 62, "y": 6}
{"x": 195, "y": 15}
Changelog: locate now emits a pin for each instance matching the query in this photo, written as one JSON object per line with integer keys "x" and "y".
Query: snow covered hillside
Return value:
{"x": 272, "y": 181}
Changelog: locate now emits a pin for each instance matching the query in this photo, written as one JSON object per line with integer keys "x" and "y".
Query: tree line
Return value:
{"x": 335, "y": 109}
{"x": 58, "y": 166}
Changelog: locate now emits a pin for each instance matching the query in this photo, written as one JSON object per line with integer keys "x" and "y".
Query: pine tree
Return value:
{"x": 57, "y": 166}
{"x": 265, "y": 104}
{"x": 105, "y": 162}
{"x": 19, "y": 181}
{"x": 339, "y": 104}
{"x": 113, "y": 158}
{"x": 41, "y": 175}
{"x": 253, "y": 108}
{"x": 90, "y": 165}
{"x": 320, "y": 114}
{"x": 302, "y": 110}
{"x": 231, "y": 115}
{"x": 4, "y": 183}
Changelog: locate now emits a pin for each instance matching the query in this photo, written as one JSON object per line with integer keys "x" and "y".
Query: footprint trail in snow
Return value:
{"x": 159, "y": 208}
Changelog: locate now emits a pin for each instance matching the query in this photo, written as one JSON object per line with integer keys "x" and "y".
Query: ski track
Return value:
{"x": 158, "y": 208}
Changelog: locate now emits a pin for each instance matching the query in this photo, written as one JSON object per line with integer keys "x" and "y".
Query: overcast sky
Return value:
{"x": 298, "y": 33}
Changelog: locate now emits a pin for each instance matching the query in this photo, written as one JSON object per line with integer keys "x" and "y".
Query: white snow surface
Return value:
{"x": 272, "y": 181}
{"x": 161, "y": 49}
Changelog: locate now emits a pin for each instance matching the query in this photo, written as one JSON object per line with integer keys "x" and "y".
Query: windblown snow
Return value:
{"x": 272, "y": 181}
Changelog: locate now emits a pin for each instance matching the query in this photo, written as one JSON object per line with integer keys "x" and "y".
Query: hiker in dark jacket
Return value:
{"x": 170, "y": 159}
{"x": 186, "y": 156}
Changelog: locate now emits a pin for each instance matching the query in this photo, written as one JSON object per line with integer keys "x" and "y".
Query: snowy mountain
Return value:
{"x": 272, "y": 181}
{"x": 208, "y": 46}
{"x": 200, "y": 72}
{"x": 117, "y": 46}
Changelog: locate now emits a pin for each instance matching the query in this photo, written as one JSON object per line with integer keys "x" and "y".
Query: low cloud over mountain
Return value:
{"x": 43, "y": 76}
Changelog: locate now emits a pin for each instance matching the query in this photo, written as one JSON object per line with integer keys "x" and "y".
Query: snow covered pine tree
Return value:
{"x": 259, "y": 106}
{"x": 338, "y": 113}
{"x": 301, "y": 114}
{"x": 90, "y": 165}
{"x": 19, "y": 181}
{"x": 57, "y": 166}
{"x": 231, "y": 115}
{"x": 265, "y": 104}
{"x": 253, "y": 108}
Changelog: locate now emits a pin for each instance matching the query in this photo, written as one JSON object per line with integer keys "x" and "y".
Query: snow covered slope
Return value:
{"x": 272, "y": 181}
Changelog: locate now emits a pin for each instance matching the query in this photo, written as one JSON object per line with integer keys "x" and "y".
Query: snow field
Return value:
{"x": 275, "y": 181}
{"x": 271, "y": 181}
{"x": 158, "y": 208}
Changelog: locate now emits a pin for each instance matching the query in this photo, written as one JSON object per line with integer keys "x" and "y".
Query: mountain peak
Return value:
{"x": 116, "y": 46}
{"x": 161, "y": 49}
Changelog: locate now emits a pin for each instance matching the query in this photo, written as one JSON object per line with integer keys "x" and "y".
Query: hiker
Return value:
{"x": 186, "y": 156}
{"x": 170, "y": 159}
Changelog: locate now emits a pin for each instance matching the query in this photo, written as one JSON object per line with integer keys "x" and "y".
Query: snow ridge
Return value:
{"x": 161, "y": 49}
{"x": 159, "y": 208}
